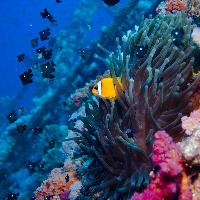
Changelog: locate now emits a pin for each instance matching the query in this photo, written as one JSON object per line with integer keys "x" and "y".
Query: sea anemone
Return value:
{"x": 156, "y": 67}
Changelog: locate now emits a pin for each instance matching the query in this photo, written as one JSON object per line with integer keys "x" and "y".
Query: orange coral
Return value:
{"x": 184, "y": 193}
{"x": 56, "y": 185}
{"x": 171, "y": 5}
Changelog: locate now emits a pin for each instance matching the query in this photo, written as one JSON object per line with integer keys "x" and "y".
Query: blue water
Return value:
{"x": 20, "y": 22}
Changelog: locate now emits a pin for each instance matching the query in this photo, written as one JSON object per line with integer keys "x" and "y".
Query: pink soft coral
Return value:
{"x": 56, "y": 185}
{"x": 169, "y": 179}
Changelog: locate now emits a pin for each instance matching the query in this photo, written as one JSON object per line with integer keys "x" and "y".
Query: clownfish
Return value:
{"x": 106, "y": 87}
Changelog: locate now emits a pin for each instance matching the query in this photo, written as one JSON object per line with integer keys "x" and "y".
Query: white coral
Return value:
{"x": 190, "y": 124}
{"x": 75, "y": 190}
{"x": 196, "y": 35}
{"x": 190, "y": 147}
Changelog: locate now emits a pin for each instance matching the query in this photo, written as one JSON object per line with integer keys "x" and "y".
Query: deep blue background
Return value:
{"x": 21, "y": 22}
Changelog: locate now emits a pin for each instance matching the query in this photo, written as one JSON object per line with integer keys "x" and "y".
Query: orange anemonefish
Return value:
{"x": 106, "y": 87}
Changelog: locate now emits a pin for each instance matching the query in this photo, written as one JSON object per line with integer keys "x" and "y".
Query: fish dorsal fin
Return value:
{"x": 99, "y": 87}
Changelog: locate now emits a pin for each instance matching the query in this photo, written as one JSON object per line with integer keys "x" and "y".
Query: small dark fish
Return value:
{"x": 58, "y": 1}
{"x": 36, "y": 130}
{"x": 47, "y": 198}
{"x": 141, "y": 51}
{"x": 34, "y": 42}
{"x": 130, "y": 134}
{"x": 83, "y": 53}
{"x": 40, "y": 130}
{"x": 31, "y": 167}
{"x": 13, "y": 196}
{"x": 40, "y": 52}
{"x": 44, "y": 34}
{"x": 89, "y": 26}
{"x": 178, "y": 36}
{"x": 12, "y": 117}
{"x": 41, "y": 167}
{"x": 60, "y": 48}
{"x": 21, "y": 129}
{"x": 48, "y": 15}
{"x": 34, "y": 65}
{"x": 111, "y": 2}
{"x": 33, "y": 130}
{"x": 51, "y": 81}
{"x": 64, "y": 103}
{"x": 159, "y": 80}
{"x": 26, "y": 77}
{"x": 156, "y": 168}
{"x": 20, "y": 57}
{"x": 52, "y": 144}
{"x": 20, "y": 111}
{"x": 47, "y": 70}
{"x": 67, "y": 178}
{"x": 47, "y": 54}
{"x": 54, "y": 23}
{"x": 78, "y": 84}
{"x": 71, "y": 124}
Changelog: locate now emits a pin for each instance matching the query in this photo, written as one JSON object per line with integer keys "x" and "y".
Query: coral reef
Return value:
{"x": 56, "y": 184}
{"x": 116, "y": 142}
{"x": 69, "y": 146}
{"x": 194, "y": 8}
{"x": 168, "y": 6}
{"x": 169, "y": 179}
{"x": 190, "y": 149}
{"x": 48, "y": 111}
{"x": 190, "y": 146}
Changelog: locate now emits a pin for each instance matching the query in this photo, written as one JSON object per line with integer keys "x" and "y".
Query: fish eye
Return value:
{"x": 96, "y": 88}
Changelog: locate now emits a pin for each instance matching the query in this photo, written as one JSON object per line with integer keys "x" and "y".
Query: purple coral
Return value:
{"x": 166, "y": 182}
